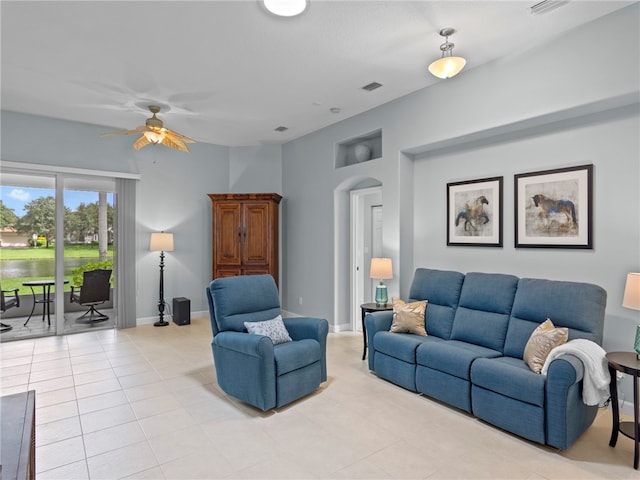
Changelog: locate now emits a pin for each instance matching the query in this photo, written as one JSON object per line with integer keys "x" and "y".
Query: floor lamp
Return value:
{"x": 161, "y": 242}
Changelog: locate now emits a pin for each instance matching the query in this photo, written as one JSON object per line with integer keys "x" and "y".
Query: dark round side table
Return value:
{"x": 625, "y": 362}
{"x": 368, "y": 308}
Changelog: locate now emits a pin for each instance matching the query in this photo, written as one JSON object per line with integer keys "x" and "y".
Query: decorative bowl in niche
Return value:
{"x": 362, "y": 152}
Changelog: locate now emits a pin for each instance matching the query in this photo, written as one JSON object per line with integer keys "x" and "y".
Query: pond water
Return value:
{"x": 38, "y": 268}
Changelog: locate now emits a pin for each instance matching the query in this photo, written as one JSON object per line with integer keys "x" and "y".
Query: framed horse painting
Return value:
{"x": 554, "y": 208}
{"x": 474, "y": 212}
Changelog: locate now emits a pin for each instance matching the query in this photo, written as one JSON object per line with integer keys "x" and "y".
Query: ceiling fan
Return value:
{"x": 153, "y": 132}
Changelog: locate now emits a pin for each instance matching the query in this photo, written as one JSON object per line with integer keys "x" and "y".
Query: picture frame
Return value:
{"x": 474, "y": 212}
{"x": 554, "y": 208}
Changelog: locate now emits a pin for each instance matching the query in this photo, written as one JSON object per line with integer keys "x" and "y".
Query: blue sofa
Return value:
{"x": 472, "y": 357}
{"x": 251, "y": 367}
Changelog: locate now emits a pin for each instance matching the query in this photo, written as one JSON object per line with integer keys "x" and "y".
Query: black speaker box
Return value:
{"x": 181, "y": 311}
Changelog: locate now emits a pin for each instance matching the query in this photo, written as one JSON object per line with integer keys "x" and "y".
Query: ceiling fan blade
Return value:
{"x": 175, "y": 143}
{"x": 140, "y": 129}
{"x": 143, "y": 141}
{"x": 179, "y": 136}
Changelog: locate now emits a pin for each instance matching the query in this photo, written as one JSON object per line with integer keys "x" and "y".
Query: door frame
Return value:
{"x": 358, "y": 236}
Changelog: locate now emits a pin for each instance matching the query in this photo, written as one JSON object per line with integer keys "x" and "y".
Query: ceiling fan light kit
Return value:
{"x": 447, "y": 66}
{"x": 285, "y": 8}
{"x": 154, "y": 132}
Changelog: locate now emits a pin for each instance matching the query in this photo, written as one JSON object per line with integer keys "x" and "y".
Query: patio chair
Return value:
{"x": 6, "y": 303}
{"x": 95, "y": 290}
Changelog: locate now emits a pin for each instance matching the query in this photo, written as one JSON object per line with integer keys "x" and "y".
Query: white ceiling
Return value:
{"x": 229, "y": 73}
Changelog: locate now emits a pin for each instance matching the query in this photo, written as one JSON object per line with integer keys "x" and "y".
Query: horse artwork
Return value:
{"x": 553, "y": 213}
{"x": 549, "y": 207}
{"x": 554, "y": 208}
{"x": 473, "y": 214}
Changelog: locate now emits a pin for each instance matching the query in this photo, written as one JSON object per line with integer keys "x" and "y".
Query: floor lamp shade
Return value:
{"x": 382, "y": 269}
{"x": 161, "y": 242}
{"x": 631, "y": 299}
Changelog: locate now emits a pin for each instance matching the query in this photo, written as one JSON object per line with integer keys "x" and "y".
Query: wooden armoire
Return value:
{"x": 245, "y": 234}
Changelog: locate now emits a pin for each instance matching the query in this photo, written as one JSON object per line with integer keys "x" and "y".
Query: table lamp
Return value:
{"x": 381, "y": 269}
{"x": 631, "y": 300}
{"x": 161, "y": 242}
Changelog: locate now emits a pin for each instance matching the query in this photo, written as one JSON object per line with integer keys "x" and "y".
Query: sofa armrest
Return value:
{"x": 245, "y": 343}
{"x": 245, "y": 367}
{"x": 566, "y": 414}
{"x": 300, "y": 328}
{"x": 562, "y": 373}
{"x": 376, "y": 322}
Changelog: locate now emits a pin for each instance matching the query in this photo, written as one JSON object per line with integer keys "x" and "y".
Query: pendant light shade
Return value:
{"x": 447, "y": 66}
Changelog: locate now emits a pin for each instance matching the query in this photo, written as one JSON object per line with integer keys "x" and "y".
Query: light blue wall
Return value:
{"x": 548, "y": 107}
{"x": 252, "y": 169}
{"x": 501, "y": 102}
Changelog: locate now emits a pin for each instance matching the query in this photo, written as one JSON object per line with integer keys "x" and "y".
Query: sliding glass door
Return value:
{"x": 27, "y": 254}
{"x": 53, "y": 229}
{"x": 89, "y": 253}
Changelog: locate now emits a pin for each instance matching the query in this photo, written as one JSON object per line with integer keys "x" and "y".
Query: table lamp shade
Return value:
{"x": 631, "y": 297}
{"x": 161, "y": 242}
{"x": 381, "y": 268}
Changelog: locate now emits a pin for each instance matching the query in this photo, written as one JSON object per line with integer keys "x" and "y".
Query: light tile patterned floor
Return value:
{"x": 143, "y": 403}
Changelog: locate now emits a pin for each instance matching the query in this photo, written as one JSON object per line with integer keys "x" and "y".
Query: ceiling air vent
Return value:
{"x": 546, "y": 6}
{"x": 281, "y": 129}
{"x": 372, "y": 86}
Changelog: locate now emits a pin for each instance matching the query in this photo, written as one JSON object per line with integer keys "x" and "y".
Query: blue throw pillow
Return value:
{"x": 274, "y": 329}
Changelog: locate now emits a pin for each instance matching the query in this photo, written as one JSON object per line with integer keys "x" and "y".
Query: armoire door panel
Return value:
{"x": 256, "y": 237}
{"x": 228, "y": 272}
{"x": 228, "y": 244}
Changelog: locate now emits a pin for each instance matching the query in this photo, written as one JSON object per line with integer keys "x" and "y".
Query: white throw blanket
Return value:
{"x": 595, "y": 385}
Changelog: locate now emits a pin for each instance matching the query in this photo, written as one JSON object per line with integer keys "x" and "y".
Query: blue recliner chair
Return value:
{"x": 250, "y": 367}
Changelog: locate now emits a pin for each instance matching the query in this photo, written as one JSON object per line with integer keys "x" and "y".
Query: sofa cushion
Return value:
{"x": 452, "y": 357}
{"x": 408, "y": 317}
{"x": 543, "y": 339}
{"x": 441, "y": 289}
{"x": 242, "y": 299}
{"x": 401, "y": 345}
{"x": 510, "y": 377}
{"x": 274, "y": 329}
{"x": 291, "y": 356}
{"x": 482, "y": 316}
{"x": 538, "y": 299}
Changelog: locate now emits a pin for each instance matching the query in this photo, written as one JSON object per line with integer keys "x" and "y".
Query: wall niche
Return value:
{"x": 359, "y": 149}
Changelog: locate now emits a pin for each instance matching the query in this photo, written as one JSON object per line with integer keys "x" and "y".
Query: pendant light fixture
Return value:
{"x": 447, "y": 66}
{"x": 286, "y": 8}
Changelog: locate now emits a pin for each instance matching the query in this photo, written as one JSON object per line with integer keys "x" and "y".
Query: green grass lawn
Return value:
{"x": 90, "y": 252}
{"x": 40, "y": 253}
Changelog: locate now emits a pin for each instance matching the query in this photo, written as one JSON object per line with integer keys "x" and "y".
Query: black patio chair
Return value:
{"x": 95, "y": 290}
{"x": 6, "y": 303}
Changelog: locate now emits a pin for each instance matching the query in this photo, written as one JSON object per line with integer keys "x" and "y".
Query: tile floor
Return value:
{"x": 36, "y": 327}
{"x": 143, "y": 403}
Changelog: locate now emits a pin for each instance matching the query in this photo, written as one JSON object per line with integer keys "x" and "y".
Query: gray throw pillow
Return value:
{"x": 274, "y": 329}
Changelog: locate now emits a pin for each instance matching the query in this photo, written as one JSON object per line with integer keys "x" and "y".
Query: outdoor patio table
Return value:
{"x": 46, "y": 297}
